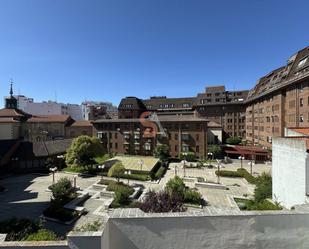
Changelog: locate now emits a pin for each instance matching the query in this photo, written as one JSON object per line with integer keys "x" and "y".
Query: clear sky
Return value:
{"x": 106, "y": 50}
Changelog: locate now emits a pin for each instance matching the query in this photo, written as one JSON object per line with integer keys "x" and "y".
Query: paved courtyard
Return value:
{"x": 27, "y": 196}
{"x": 133, "y": 162}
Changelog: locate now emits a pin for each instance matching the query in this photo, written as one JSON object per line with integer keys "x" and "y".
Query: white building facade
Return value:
{"x": 290, "y": 171}
{"x": 48, "y": 107}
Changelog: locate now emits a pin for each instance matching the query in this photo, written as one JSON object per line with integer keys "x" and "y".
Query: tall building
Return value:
{"x": 279, "y": 100}
{"x": 226, "y": 108}
{"x": 47, "y": 107}
{"x": 93, "y": 110}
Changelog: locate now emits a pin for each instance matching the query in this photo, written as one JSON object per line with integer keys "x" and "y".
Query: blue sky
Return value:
{"x": 105, "y": 50}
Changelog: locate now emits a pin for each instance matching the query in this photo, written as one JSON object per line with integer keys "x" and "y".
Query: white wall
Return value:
{"x": 290, "y": 164}
{"x": 265, "y": 231}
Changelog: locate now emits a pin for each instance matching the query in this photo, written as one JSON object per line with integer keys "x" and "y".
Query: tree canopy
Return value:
{"x": 83, "y": 151}
{"x": 162, "y": 152}
{"x": 233, "y": 140}
{"x": 117, "y": 170}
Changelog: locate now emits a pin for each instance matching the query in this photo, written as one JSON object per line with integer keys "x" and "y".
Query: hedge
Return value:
{"x": 239, "y": 173}
{"x": 245, "y": 174}
{"x": 138, "y": 177}
{"x": 229, "y": 173}
{"x": 42, "y": 235}
{"x": 161, "y": 172}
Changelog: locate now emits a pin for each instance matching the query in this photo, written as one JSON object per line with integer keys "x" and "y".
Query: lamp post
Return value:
{"x": 218, "y": 161}
{"x": 53, "y": 170}
{"x": 141, "y": 162}
{"x": 251, "y": 164}
{"x": 102, "y": 167}
{"x": 175, "y": 170}
{"x": 210, "y": 154}
{"x": 241, "y": 158}
{"x": 184, "y": 167}
{"x": 128, "y": 172}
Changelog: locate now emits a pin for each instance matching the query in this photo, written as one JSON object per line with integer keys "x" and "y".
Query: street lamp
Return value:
{"x": 53, "y": 170}
{"x": 102, "y": 167}
{"x": 241, "y": 158}
{"x": 128, "y": 172}
{"x": 210, "y": 154}
{"x": 175, "y": 170}
{"x": 141, "y": 162}
{"x": 184, "y": 167}
{"x": 251, "y": 163}
{"x": 218, "y": 161}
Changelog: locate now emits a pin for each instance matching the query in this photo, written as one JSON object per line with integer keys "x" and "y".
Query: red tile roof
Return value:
{"x": 304, "y": 131}
{"x": 49, "y": 118}
{"x": 13, "y": 113}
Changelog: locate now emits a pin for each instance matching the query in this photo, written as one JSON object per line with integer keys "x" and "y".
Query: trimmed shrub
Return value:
{"x": 161, "y": 202}
{"x": 175, "y": 186}
{"x": 42, "y": 235}
{"x": 161, "y": 172}
{"x": 90, "y": 227}
{"x": 228, "y": 173}
{"x": 193, "y": 197}
{"x": 62, "y": 191}
{"x": 245, "y": 174}
{"x": 138, "y": 177}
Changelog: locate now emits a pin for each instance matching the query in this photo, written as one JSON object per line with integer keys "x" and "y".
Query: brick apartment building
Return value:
{"x": 225, "y": 108}
{"x": 131, "y": 136}
{"x": 279, "y": 100}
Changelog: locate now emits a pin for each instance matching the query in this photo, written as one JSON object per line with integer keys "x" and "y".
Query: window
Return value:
{"x": 116, "y": 135}
{"x": 302, "y": 62}
{"x": 301, "y": 118}
{"x": 116, "y": 145}
{"x": 185, "y": 148}
{"x": 176, "y": 136}
{"x": 176, "y": 148}
{"x": 185, "y": 105}
{"x": 301, "y": 102}
{"x": 185, "y": 137}
{"x": 147, "y": 146}
{"x": 197, "y": 137}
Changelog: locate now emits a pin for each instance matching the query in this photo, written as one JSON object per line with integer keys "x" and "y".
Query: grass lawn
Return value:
{"x": 131, "y": 162}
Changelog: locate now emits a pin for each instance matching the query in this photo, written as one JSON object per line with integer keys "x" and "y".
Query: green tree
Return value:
{"x": 62, "y": 190}
{"x": 83, "y": 151}
{"x": 176, "y": 186}
{"x": 188, "y": 156}
{"x": 117, "y": 170}
{"x": 215, "y": 150}
{"x": 263, "y": 188}
{"x": 162, "y": 152}
{"x": 233, "y": 140}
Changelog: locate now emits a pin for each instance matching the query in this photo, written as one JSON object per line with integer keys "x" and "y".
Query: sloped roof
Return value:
{"x": 49, "y": 118}
{"x": 304, "y": 131}
{"x": 135, "y": 103}
{"x": 8, "y": 113}
{"x": 81, "y": 123}
{"x": 42, "y": 149}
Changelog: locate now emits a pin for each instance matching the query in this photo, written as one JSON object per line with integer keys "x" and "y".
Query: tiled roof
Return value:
{"x": 13, "y": 113}
{"x": 161, "y": 118}
{"x": 42, "y": 149}
{"x": 304, "y": 131}
{"x": 82, "y": 123}
{"x": 49, "y": 118}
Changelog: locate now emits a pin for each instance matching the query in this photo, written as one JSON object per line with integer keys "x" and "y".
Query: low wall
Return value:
{"x": 224, "y": 232}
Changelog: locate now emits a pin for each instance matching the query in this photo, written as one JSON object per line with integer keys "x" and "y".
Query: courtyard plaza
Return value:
{"x": 27, "y": 195}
